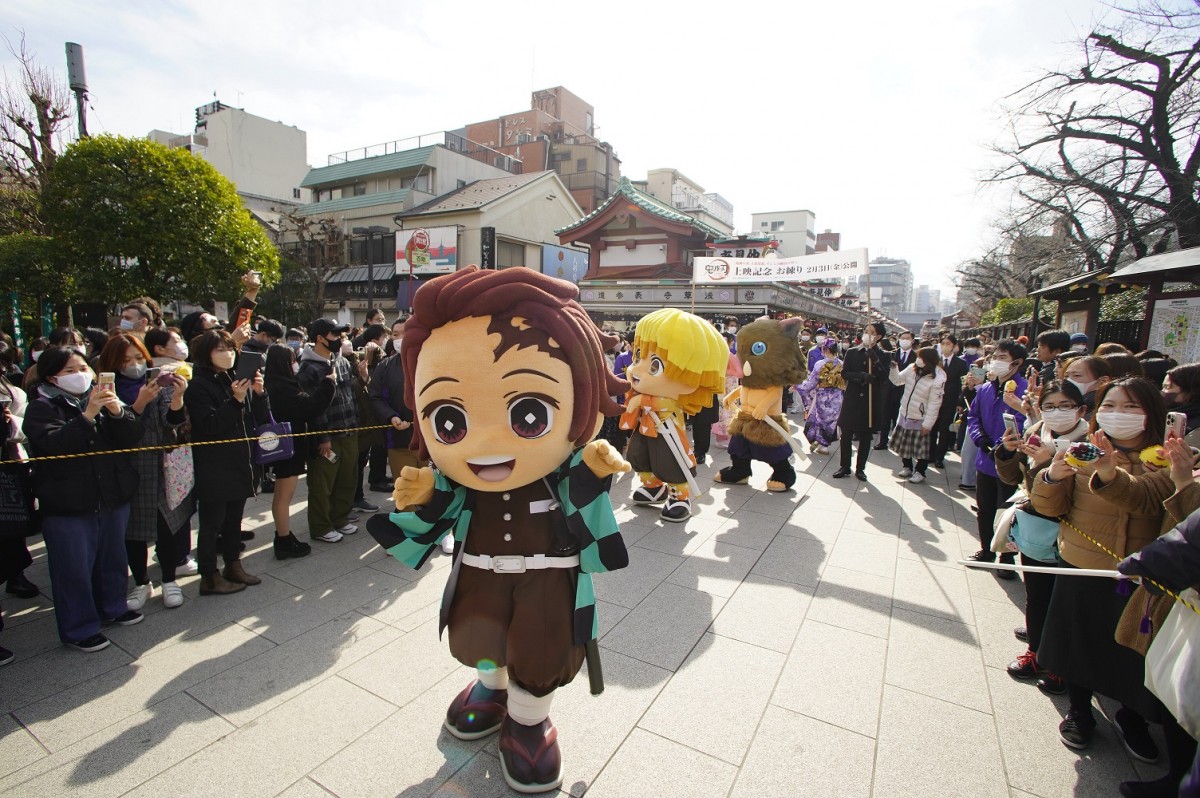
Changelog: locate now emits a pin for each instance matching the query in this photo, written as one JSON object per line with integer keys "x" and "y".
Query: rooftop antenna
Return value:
{"x": 77, "y": 77}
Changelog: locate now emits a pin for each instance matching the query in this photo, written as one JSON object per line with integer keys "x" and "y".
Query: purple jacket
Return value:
{"x": 985, "y": 423}
{"x": 814, "y": 358}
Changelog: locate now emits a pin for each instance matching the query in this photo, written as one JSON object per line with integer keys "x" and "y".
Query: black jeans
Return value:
{"x": 1038, "y": 588}
{"x": 990, "y": 493}
{"x": 220, "y": 531}
{"x": 865, "y": 437}
{"x": 919, "y": 468}
{"x": 701, "y": 439}
{"x": 377, "y": 472}
{"x": 941, "y": 439}
{"x": 165, "y": 549}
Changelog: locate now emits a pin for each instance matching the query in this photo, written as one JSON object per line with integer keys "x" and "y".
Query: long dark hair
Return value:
{"x": 279, "y": 362}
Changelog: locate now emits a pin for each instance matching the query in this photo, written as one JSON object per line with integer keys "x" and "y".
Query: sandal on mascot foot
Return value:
{"x": 530, "y": 757}
{"x": 644, "y": 495}
{"x": 476, "y": 712}
{"x": 676, "y": 510}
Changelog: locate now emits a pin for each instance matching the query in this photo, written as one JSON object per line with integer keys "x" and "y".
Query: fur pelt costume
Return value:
{"x": 506, "y": 376}
{"x": 678, "y": 366}
{"x": 771, "y": 361}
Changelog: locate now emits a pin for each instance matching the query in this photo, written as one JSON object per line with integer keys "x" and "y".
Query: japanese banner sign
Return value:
{"x": 780, "y": 270}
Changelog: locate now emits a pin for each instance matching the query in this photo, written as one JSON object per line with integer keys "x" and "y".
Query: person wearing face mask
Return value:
{"x": 136, "y": 319}
{"x": 865, "y": 370}
{"x": 903, "y": 356}
{"x": 1089, "y": 374}
{"x": 1019, "y": 462}
{"x": 941, "y": 439}
{"x": 295, "y": 339}
{"x": 266, "y": 333}
{"x": 67, "y": 337}
{"x": 923, "y": 388}
{"x": 985, "y": 425}
{"x": 1124, "y": 507}
{"x": 816, "y": 354}
{"x": 1079, "y": 343}
{"x": 386, "y": 393}
{"x": 84, "y": 501}
{"x": 1181, "y": 392}
{"x": 821, "y": 396}
{"x": 160, "y": 412}
{"x": 220, "y": 408}
{"x": 971, "y": 348}
{"x": 166, "y": 347}
{"x": 334, "y": 456}
{"x": 291, "y": 403}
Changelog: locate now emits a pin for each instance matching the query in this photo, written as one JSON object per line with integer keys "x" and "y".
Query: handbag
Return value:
{"x": 179, "y": 475}
{"x": 1035, "y": 537}
{"x": 274, "y": 442}
{"x": 17, "y": 518}
{"x": 1173, "y": 664}
{"x": 1001, "y": 539}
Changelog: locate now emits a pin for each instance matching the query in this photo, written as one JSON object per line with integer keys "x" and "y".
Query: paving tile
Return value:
{"x": 715, "y": 567}
{"x": 21, "y": 611}
{"x": 680, "y": 539}
{"x": 328, "y": 562}
{"x": 963, "y": 760}
{"x": 994, "y": 623}
{"x": 631, "y": 532}
{"x": 631, "y": 584}
{"x": 933, "y": 590}
{"x": 647, "y": 764}
{"x": 814, "y": 523}
{"x": 345, "y": 712}
{"x": 481, "y": 778}
{"x": 37, "y": 636}
{"x": 937, "y": 657}
{"x": 409, "y": 753}
{"x": 403, "y": 669}
{"x": 750, "y": 530}
{"x": 664, "y": 628}
{"x": 869, "y": 519}
{"x": 294, "y": 616}
{"x": 796, "y": 755}
{"x": 727, "y": 683}
{"x": 764, "y": 612}
{"x": 853, "y": 600}
{"x": 409, "y": 604}
{"x": 869, "y": 552}
{"x": 390, "y": 565}
{"x": 124, "y": 754}
{"x": 31, "y": 679}
{"x": 70, "y": 715}
{"x": 609, "y": 615}
{"x": 985, "y": 585}
{"x": 305, "y": 788}
{"x": 792, "y": 559}
{"x": 781, "y": 505}
{"x": 1035, "y": 758}
{"x": 256, "y": 686}
{"x": 18, "y": 747}
{"x": 942, "y": 546}
{"x": 817, "y": 680}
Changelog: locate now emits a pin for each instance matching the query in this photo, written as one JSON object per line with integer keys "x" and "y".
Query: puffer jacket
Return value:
{"x": 1123, "y": 515}
{"x": 922, "y": 398}
{"x": 1013, "y": 468}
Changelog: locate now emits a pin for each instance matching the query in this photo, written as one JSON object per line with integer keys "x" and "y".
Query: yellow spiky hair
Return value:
{"x": 691, "y": 349}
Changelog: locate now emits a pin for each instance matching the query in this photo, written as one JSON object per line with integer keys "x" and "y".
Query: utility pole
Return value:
{"x": 77, "y": 77}
{"x": 370, "y": 233}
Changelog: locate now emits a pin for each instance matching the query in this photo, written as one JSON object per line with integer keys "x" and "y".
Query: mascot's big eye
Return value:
{"x": 759, "y": 347}
{"x": 530, "y": 417}
{"x": 449, "y": 423}
{"x": 656, "y": 366}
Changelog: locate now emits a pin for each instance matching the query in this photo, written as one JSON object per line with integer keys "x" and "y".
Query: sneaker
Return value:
{"x": 136, "y": 598}
{"x": 1135, "y": 736}
{"x": 983, "y": 556}
{"x": 1051, "y": 684}
{"x": 6, "y": 656}
{"x": 822, "y": 450}
{"x": 1007, "y": 576}
{"x": 348, "y": 529}
{"x": 382, "y": 487}
{"x": 940, "y": 465}
{"x": 1021, "y": 633}
{"x": 1076, "y": 729}
{"x": 904, "y": 473}
{"x": 247, "y": 534}
{"x": 96, "y": 642}
{"x": 917, "y": 478}
{"x": 366, "y": 506}
{"x": 172, "y": 595}
{"x": 448, "y": 544}
{"x": 189, "y": 566}
{"x": 1024, "y": 667}
{"x": 353, "y": 519}
{"x": 970, "y": 488}
{"x": 332, "y": 536}
{"x": 127, "y": 618}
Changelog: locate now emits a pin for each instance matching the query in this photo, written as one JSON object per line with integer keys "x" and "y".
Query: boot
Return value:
{"x": 234, "y": 572}
{"x": 216, "y": 585}
{"x": 530, "y": 757}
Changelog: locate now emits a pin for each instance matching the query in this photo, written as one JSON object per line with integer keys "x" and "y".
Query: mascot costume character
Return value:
{"x": 678, "y": 366}
{"x": 506, "y": 375}
{"x": 771, "y": 360}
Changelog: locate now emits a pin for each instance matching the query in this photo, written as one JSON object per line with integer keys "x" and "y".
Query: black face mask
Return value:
{"x": 334, "y": 347}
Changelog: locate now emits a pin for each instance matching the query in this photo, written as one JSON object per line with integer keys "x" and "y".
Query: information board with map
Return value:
{"x": 1175, "y": 329}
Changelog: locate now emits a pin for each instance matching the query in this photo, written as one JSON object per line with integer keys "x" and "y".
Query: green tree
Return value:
{"x": 133, "y": 217}
{"x": 27, "y": 266}
{"x": 1125, "y": 305}
{"x": 1008, "y": 310}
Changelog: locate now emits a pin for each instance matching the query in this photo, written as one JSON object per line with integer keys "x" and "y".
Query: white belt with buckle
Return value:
{"x": 517, "y": 564}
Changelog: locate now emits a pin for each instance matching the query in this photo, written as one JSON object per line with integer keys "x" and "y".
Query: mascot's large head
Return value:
{"x": 505, "y": 374}
{"x": 678, "y": 355}
{"x": 769, "y": 353}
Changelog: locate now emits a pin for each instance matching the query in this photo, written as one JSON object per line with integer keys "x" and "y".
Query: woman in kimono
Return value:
{"x": 822, "y": 395}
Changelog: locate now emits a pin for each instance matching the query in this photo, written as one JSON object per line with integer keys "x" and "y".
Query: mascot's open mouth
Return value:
{"x": 492, "y": 469}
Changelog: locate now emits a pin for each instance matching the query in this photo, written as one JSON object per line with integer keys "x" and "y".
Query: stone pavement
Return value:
{"x": 818, "y": 643}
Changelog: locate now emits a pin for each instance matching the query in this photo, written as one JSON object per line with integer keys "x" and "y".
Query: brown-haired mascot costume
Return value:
{"x": 506, "y": 376}
{"x": 771, "y": 360}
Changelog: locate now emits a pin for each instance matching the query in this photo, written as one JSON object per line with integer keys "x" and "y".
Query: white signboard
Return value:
{"x": 1175, "y": 329}
{"x": 781, "y": 270}
{"x": 427, "y": 250}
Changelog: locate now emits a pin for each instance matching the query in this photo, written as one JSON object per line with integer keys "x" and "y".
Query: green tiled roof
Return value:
{"x": 365, "y": 167}
{"x": 361, "y": 201}
{"x": 647, "y": 203}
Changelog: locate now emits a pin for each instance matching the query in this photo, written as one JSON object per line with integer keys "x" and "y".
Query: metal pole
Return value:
{"x": 370, "y": 274}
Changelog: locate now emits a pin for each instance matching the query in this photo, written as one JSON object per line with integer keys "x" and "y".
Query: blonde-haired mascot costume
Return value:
{"x": 678, "y": 365}
{"x": 506, "y": 375}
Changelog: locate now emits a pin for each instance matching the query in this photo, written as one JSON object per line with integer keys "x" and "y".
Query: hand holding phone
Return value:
{"x": 1010, "y": 423}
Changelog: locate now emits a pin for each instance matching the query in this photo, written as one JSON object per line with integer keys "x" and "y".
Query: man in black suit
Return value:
{"x": 865, "y": 370}
{"x": 903, "y": 357}
{"x": 955, "y": 368}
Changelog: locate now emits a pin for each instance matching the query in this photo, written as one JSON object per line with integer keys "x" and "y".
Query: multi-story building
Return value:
{"x": 927, "y": 300}
{"x": 674, "y": 188}
{"x": 891, "y": 285}
{"x": 794, "y": 230}
{"x": 558, "y": 132}
{"x": 266, "y": 160}
{"x": 828, "y": 241}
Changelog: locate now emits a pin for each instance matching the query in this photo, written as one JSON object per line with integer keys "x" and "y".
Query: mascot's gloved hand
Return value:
{"x": 601, "y": 458}
{"x": 413, "y": 486}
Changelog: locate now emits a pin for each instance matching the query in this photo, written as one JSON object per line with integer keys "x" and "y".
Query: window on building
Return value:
{"x": 461, "y": 184}
{"x": 776, "y": 226}
{"x": 360, "y": 189}
{"x": 764, "y": 225}
{"x": 509, "y": 253}
{"x": 581, "y": 165}
{"x": 295, "y": 193}
{"x": 588, "y": 124}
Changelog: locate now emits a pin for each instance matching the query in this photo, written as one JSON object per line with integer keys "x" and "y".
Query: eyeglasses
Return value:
{"x": 1059, "y": 407}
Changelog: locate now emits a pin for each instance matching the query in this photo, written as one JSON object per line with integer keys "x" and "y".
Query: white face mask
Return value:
{"x": 1079, "y": 348}
{"x": 905, "y": 344}
{"x": 1083, "y": 387}
{"x": 179, "y": 351}
{"x": 295, "y": 368}
{"x": 971, "y": 350}
{"x": 1060, "y": 422}
{"x": 999, "y": 368}
{"x": 223, "y": 361}
{"x": 806, "y": 338}
{"x": 820, "y": 339}
{"x": 35, "y": 355}
{"x": 1121, "y": 426}
{"x": 75, "y": 383}
{"x": 134, "y": 372}
{"x": 868, "y": 340}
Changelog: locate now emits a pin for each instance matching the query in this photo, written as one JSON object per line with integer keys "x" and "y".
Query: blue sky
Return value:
{"x": 874, "y": 115}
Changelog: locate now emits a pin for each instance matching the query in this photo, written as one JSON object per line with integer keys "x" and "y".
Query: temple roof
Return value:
{"x": 651, "y": 205}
